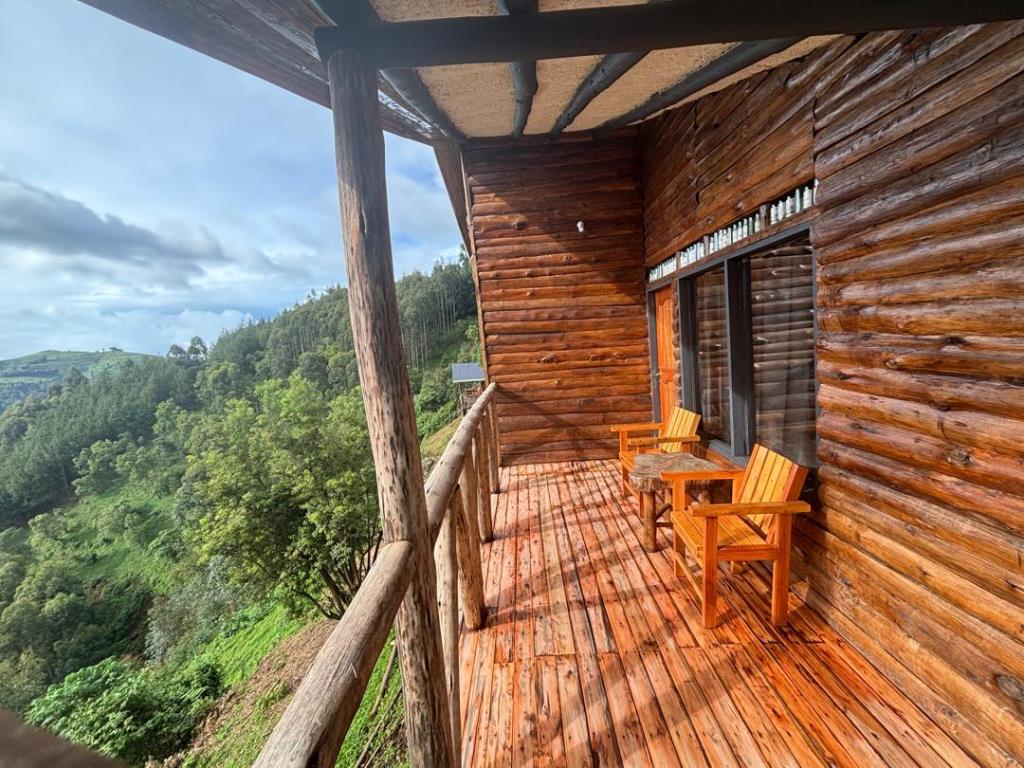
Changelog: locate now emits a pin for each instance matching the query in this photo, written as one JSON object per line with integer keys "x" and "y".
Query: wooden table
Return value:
{"x": 646, "y": 480}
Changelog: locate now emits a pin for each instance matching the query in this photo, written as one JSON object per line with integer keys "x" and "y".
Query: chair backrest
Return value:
{"x": 680, "y": 423}
{"x": 769, "y": 476}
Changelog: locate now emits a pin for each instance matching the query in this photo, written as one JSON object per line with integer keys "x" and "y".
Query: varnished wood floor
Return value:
{"x": 594, "y": 654}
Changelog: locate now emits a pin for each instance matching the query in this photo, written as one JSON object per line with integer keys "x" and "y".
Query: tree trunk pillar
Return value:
{"x": 359, "y": 145}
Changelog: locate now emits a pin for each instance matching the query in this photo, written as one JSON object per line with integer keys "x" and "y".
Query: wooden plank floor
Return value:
{"x": 594, "y": 654}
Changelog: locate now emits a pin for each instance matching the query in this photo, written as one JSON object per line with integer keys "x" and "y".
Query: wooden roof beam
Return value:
{"x": 608, "y": 70}
{"x": 524, "y": 73}
{"x": 405, "y": 81}
{"x": 735, "y": 60}
{"x": 655, "y": 26}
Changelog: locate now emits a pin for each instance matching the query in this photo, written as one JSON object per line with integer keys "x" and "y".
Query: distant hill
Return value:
{"x": 33, "y": 374}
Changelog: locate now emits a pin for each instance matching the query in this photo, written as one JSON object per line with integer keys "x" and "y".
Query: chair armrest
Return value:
{"x": 638, "y": 427}
{"x": 637, "y": 441}
{"x": 750, "y": 508}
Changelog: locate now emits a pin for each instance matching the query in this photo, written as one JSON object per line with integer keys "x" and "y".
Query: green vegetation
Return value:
{"x": 167, "y": 523}
{"x": 34, "y": 374}
{"x": 376, "y": 730}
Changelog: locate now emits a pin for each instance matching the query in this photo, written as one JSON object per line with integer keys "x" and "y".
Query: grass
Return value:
{"x": 98, "y": 555}
{"x": 238, "y": 651}
{"x": 433, "y": 445}
{"x": 364, "y": 725}
{"x": 240, "y": 648}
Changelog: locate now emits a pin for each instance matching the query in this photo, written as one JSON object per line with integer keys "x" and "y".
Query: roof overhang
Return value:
{"x": 486, "y": 68}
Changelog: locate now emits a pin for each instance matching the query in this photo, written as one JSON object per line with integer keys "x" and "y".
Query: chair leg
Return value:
{"x": 780, "y": 570}
{"x": 625, "y": 480}
{"x": 709, "y": 572}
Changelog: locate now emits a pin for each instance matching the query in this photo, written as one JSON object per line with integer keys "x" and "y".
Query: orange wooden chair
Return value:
{"x": 757, "y": 525}
{"x": 678, "y": 433}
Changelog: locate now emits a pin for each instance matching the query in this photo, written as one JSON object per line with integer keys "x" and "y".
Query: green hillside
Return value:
{"x": 177, "y": 534}
{"x": 33, "y": 374}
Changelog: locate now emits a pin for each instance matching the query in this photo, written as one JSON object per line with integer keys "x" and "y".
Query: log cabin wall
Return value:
{"x": 563, "y": 312}
{"x": 915, "y": 552}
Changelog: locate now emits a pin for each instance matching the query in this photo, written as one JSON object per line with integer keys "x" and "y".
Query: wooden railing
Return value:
{"x": 458, "y": 490}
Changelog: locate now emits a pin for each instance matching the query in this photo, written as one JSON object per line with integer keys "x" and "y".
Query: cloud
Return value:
{"x": 148, "y": 192}
{"x": 46, "y": 223}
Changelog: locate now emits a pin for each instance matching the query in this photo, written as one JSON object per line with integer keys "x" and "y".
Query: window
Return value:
{"x": 747, "y": 349}
{"x": 782, "y": 320}
{"x": 713, "y": 354}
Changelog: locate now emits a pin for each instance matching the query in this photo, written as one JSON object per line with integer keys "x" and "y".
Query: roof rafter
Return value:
{"x": 404, "y": 80}
{"x": 729, "y": 63}
{"x": 524, "y": 73}
{"x": 648, "y": 27}
{"x": 608, "y": 70}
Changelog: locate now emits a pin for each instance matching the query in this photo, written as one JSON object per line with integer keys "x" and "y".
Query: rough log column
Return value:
{"x": 387, "y": 397}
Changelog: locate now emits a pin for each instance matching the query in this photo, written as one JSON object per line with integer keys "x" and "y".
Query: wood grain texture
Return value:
{"x": 919, "y": 147}
{"x": 387, "y": 399}
{"x": 598, "y": 655}
{"x": 915, "y": 550}
{"x": 563, "y": 311}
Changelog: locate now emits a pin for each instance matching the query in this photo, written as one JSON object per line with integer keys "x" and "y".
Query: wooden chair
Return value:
{"x": 757, "y": 525}
{"x": 678, "y": 433}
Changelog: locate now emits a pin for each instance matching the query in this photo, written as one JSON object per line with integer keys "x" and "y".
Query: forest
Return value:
{"x": 167, "y": 522}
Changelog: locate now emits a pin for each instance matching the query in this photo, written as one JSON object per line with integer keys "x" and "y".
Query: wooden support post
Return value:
{"x": 387, "y": 398}
{"x": 483, "y": 476}
{"x": 448, "y": 611}
{"x": 468, "y": 482}
{"x": 492, "y": 409}
{"x": 471, "y": 576}
{"x": 492, "y": 459}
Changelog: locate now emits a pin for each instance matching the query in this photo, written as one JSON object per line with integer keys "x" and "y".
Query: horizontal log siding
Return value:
{"x": 563, "y": 312}
{"x": 916, "y": 551}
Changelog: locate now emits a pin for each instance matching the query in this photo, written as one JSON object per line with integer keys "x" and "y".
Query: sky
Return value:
{"x": 149, "y": 193}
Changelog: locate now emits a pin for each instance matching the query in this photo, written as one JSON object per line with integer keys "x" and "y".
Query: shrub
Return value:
{"x": 131, "y": 712}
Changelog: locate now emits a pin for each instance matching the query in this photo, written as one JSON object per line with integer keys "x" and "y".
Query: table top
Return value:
{"x": 646, "y": 474}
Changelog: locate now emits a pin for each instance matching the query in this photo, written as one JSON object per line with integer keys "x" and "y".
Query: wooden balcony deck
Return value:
{"x": 594, "y": 654}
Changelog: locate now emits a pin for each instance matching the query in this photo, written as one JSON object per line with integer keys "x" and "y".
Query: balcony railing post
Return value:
{"x": 470, "y": 493}
{"x": 471, "y": 578}
{"x": 492, "y": 410}
{"x": 448, "y": 612}
{"x": 492, "y": 459}
{"x": 483, "y": 477}
{"x": 387, "y": 397}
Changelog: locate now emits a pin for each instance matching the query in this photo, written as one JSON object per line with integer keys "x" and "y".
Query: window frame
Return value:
{"x": 739, "y": 336}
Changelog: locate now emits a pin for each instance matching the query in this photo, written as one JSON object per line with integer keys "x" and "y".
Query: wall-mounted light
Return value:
{"x": 581, "y": 227}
